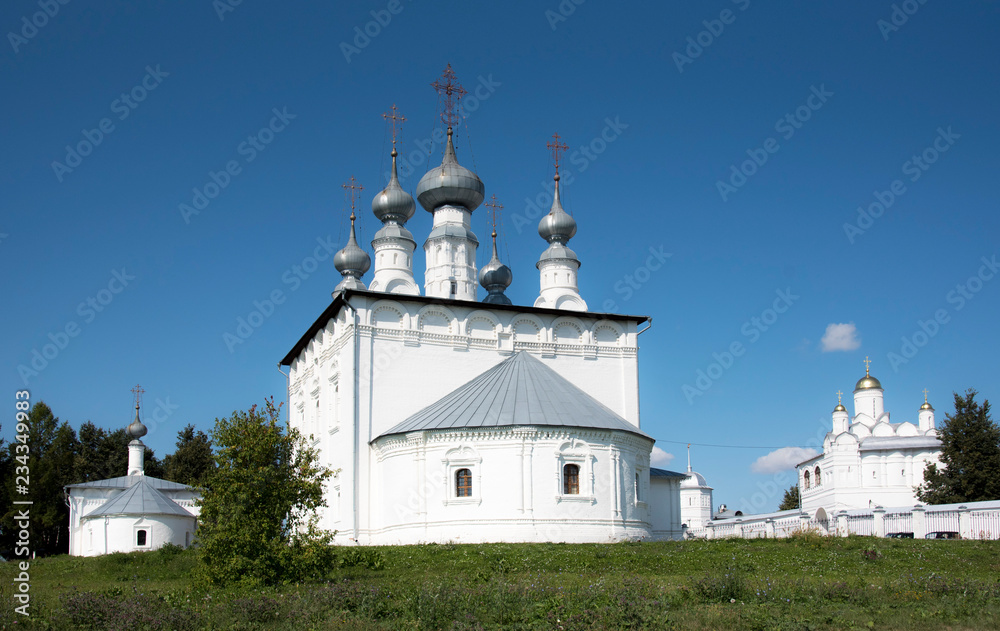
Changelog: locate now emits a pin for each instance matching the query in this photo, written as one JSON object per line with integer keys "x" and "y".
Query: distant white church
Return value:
{"x": 133, "y": 512}
{"x": 451, "y": 418}
{"x": 868, "y": 460}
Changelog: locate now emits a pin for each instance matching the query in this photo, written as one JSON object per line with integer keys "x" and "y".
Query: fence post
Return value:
{"x": 709, "y": 530}
{"x": 842, "y": 528}
{"x": 739, "y": 528}
{"x": 769, "y": 528}
{"x": 965, "y": 522}
{"x": 804, "y": 522}
{"x": 878, "y": 526}
{"x": 919, "y": 522}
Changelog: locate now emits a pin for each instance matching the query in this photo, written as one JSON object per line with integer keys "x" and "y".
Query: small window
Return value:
{"x": 806, "y": 478}
{"x": 463, "y": 483}
{"x": 638, "y": 495}
{"x": 818, "y": 478}
{"x": 140, "y": 538}
{"x": 454, "y": 288}
{"x": 571, "y": 479}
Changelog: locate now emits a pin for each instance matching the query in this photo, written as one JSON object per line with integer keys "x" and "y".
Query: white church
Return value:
{"x": 454, "y": 418}
{"x": 868, "y": 460}
{"x": 133, "y": 512}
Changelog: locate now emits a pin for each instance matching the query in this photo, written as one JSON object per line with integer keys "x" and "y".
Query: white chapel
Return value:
{"x": 132, "y": 512}
{"x": 451, "y": 417}
{"x": 867, "y": 460}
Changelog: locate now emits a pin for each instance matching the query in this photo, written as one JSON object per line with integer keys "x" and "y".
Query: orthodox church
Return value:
{"x": 450, "y": 418}
{"x": 868, "y": 460}
{"x": 133, "y": 512}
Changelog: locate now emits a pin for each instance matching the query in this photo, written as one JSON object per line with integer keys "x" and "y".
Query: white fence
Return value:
{"x": 974, "y": 520}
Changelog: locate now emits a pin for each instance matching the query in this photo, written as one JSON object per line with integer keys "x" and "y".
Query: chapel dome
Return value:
{"x": 693, "y": 480}
{"x": 840, "y": 408}
{"x": 450, "y": 183}
{"x": 393, "y": 203}
{"x": 352, "y": 259}
{"x": 868, "y": 383}
{"x": 558, "y": 225}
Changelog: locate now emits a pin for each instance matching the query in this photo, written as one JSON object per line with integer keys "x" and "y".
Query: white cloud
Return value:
{"x": 840, "y": 337}
{"x": 782, "y": 459}
{"x": 660, "y": 458}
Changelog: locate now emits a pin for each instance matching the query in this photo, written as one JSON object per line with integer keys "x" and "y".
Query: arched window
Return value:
{"x": 463, "y": 483}
{"x": 806, "y": 480}
{"x": 140, "y": 538}
{"x": 638, "y": 496}
{"x": 571, "y": 479}
{"x": 818, "y": 478}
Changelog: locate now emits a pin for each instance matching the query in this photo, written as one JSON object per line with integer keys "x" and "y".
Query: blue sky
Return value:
{"x": 738, "y": 137}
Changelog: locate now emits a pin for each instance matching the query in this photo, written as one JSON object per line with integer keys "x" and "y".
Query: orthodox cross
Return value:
{"x": 395, "y": 116}
{"x": 354, "y": 186}
{"x": 137, "y": 391}
{"x": 867, "y": 363}
{"x": 925, "y": 395}
{"x": 452, "y": 91}
{"x": 839, "y": 394}
{"x": 495, "y": 208}
{"x": 557, "y": 149}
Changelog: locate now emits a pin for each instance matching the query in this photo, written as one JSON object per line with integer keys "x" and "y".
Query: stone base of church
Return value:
{"x": 507, "y": 531}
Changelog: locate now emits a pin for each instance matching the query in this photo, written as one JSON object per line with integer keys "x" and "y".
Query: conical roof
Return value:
{"x": 140, "y": 499}
{"x": 520, "y": 390}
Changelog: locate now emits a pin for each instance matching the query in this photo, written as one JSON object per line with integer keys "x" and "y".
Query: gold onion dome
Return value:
{"x": 926, "y": 406}
{"x": 868, "y": 382}
{"x": 840, "y": 408}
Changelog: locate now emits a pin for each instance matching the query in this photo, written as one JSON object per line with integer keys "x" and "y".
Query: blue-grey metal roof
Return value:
{"x": 881, "y": 443}
{"x": 520, "y": 390}
{"x": 140, "y": 499}
{"x": 125, "y": 482}
{"x": 664, "y": 473}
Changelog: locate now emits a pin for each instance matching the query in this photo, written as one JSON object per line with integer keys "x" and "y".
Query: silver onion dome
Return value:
{"x": 450, "y": 183}
{"x": 558, "y": 226}
{"x": 352, "y": 262}
{"x": 496, "y": 277}
{"x": 136, "y": 429}
{"x": 393, "y": 204}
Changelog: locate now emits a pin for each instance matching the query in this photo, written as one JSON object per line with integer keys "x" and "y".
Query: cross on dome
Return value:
{"x": 557, "y": 149}
{"x": 452, "y": 92}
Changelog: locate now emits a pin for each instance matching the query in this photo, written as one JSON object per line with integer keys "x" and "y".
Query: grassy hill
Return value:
{"x": 807, "y": 582}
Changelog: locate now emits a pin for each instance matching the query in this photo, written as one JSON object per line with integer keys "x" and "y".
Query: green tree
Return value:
{"x": 970, "y": 456}
{"x": 258, "y": 520}
{"x": 191, "y": 462}
{"x": 6, "y": 473}
{"x": 791, "y": 499}
{"x": 52, "y": 451}
{"x": 104, "y": 454}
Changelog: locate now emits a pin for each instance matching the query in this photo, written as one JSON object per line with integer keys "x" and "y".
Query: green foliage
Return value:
{"x": 970, "y": 456}
{"x": 258, "y": 523}
{"x": 192, "y": 462}
{"x": 103, "y": 454}
{"x": 791, "y": 499}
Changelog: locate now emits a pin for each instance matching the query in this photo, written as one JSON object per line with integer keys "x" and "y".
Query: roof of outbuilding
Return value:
{"x": 520, "y": 390}
{"x": 126, "y": 481}
{"x": 664, "y": 473}
{"x": 141, "y": 498}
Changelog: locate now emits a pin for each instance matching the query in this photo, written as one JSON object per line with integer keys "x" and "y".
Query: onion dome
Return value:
{"x": 352, "y": 262}
{"x": 393, "y": 204}
{"x": 926, "y": 405}
{"x": 495, "y": 277}
{"x": 558, "y": 226}
{"x": 137, "y": 430}
{"x": 450, "y": 183}
{"x": 868, "y": 383}
{"x": 840, "y": 408}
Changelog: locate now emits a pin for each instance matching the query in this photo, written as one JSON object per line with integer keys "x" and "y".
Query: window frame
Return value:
{"x": 147, "y": 536}
{"x": 578, "y": 453}
{"x": 463, "y": 457}
{"x": 459, "y": 486}
{"x": 566, "y": 478}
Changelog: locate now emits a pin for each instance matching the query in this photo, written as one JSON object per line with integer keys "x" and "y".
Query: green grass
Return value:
{"x": 807, "y": 582}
